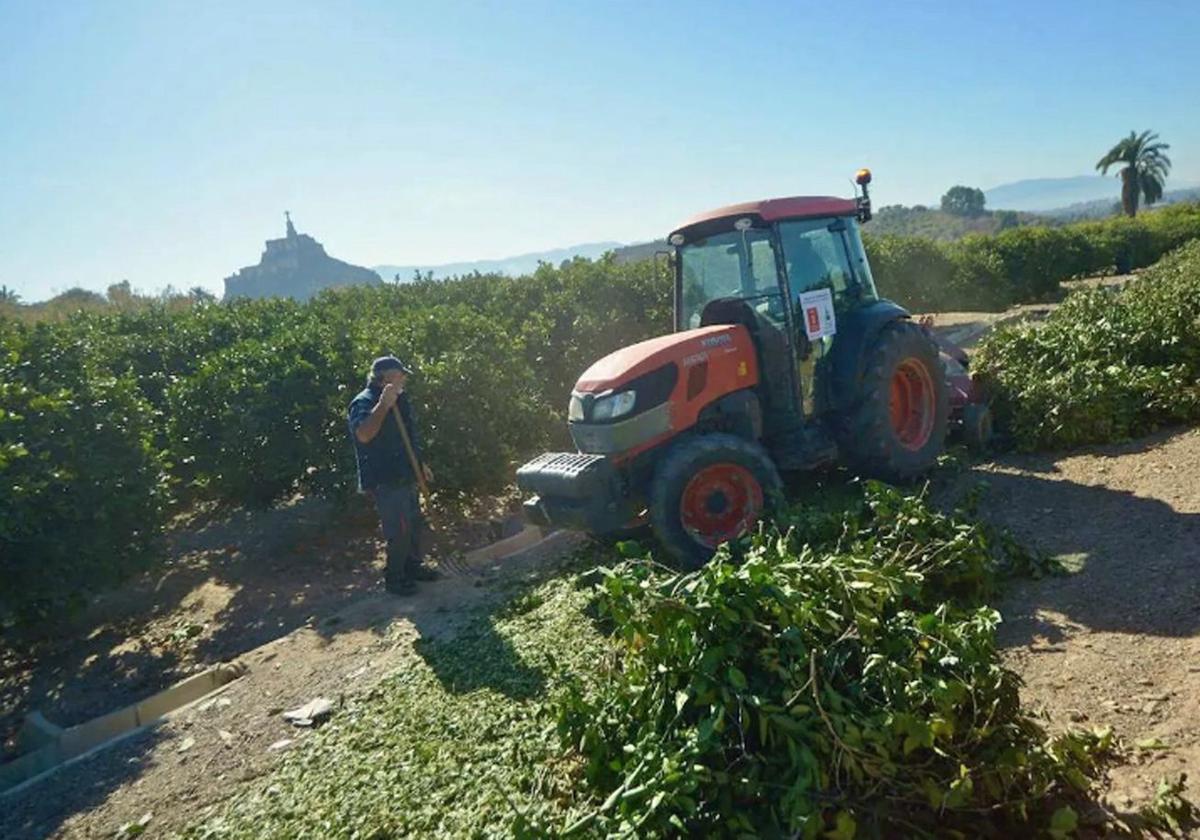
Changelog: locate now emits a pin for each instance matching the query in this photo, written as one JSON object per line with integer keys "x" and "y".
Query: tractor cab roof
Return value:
{"x": 766, "y": 211}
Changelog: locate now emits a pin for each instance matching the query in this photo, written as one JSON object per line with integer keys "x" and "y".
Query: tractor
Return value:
{"x": 784, "y": 358}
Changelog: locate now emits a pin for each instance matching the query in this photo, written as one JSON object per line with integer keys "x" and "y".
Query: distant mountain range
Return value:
{"x": 512, "y": 266}
{"x": 1083, "y": 196}
{"x": 1106, "y": 207}
{"x": 1042, "y": 194}
{"x": 1078, "y": 197}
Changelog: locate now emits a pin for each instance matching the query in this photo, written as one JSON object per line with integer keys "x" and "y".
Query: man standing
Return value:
{"x": 385, "y": 470}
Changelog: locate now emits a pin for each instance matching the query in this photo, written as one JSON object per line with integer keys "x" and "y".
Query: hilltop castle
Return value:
{"x": 295, "y": 266}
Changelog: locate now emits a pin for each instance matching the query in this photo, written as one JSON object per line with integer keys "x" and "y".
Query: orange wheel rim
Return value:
{"x": 911, "y": 404}
{"x": 719, "y": 503}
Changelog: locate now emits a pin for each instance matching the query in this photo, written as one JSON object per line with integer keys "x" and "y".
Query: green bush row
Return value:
{"x": 1105, "y": 365}
{"x": 82, "y": 483}
{"x": 244, "y": 402}
{"x": 108, "y": 419}
{"x": 1022, "y": 265}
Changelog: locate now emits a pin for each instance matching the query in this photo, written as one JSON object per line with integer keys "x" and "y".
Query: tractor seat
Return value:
{"x": 771, "y": 346}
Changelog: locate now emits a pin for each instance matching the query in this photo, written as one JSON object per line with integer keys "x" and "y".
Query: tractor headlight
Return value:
{"x": 613, "y": 406}
{"x": 575, "y": 408}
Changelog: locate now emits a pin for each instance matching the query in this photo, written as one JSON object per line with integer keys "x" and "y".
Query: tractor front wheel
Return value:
{"x": 709, "y": 490}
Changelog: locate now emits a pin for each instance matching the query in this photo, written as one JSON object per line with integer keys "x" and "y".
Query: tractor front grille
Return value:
{"x": 571, "y": 475}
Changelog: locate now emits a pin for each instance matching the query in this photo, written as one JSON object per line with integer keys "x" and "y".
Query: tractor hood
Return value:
{"x": 685, "y": 349}
{"x": 643, "y": 394}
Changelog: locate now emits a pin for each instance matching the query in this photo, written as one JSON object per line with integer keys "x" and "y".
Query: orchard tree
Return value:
{"x": 1006, "y": 219}
{"x": 120, "y": 294}
{"x": 1144, "y": 168}
{"x": 963, "y": 201}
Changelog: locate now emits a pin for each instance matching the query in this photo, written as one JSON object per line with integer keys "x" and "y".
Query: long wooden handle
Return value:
{"x": 412, "y": 456}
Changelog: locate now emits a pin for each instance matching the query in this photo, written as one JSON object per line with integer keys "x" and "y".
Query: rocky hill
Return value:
{"x": 295, "y": 266}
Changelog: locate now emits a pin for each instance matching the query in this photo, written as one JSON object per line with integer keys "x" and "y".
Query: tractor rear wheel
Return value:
{"x": 898, "y": 427}
{"x": 709, "y": 490}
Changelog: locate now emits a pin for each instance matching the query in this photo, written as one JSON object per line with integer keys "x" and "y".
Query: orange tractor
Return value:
{"x": 784, "y": 358}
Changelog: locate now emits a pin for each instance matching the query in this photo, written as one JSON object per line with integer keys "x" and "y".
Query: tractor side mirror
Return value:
{"x": 664, "y": 259}
{"x": 667, "y": 259}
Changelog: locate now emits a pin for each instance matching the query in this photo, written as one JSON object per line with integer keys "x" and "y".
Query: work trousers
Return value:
{"x": 399, "y": 507}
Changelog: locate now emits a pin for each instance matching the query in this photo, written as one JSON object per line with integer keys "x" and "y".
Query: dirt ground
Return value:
{"x": 293, "y": 592}
{"x": 230, "y": 582}
{"x": 199, "y": 756}
{"x": 1116, "y": 643}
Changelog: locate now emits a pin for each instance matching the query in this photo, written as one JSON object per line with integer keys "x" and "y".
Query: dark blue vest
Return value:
{"x": 382, "y": 461}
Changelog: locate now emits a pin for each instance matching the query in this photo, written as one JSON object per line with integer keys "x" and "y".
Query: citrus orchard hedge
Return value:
{"x": 109, "y": 418}
{"x": 83, "y": 485}
{"x": 1104, "y": 366}
{"x": 1022, "y": 265}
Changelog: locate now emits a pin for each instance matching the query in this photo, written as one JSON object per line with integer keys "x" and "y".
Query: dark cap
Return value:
{"x": 385, "y": 363}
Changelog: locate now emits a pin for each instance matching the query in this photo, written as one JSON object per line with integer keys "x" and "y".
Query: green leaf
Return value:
{"x": 845, "y": 828}
{"x": 1064, "y": 822}
{"x": 630, "y": 548}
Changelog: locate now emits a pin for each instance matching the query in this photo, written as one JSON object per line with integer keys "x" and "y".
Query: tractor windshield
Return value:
{"x": 736, "y": 264}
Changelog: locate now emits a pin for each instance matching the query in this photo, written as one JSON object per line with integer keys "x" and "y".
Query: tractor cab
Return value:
{"x": 783, "y": 357}
{"x": 769, "y": 253}
{"x": 789, "y": 270}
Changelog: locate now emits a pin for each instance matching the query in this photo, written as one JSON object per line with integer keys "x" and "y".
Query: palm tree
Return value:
{"x": 1144, "y": 168}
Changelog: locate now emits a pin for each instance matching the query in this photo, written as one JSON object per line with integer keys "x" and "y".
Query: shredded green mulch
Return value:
{"x": 459, "y": 742}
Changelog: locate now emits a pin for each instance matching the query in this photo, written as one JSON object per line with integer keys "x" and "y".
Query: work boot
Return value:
{"x": 403, "y": 586}
{"x": 396, "y": 577}
{"x": 419, "y": 571}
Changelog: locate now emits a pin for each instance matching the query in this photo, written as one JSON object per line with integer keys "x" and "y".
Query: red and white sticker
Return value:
{"x": 817, "y": 309}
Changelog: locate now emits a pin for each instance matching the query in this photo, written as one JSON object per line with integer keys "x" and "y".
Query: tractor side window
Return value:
{"x": 816, "y": 258}
{"x": 762, "y": 265}
{"x": 862, "y": 268}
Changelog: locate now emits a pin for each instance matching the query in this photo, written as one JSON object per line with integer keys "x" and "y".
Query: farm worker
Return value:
{"x": 386, "y": 471}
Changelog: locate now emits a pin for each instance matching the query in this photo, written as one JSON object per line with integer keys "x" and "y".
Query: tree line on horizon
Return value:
{"x": 1140, "y": 160}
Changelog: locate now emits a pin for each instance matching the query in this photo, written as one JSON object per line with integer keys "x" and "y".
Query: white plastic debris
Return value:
{"x": 311, "y": 713}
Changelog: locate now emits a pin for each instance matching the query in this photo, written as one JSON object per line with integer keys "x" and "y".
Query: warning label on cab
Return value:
{"x": 817, "y": 307}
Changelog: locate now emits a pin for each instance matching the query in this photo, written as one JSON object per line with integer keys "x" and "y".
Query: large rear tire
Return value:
{"x": 708, "y": 490}
{"x": 897, "y": 428}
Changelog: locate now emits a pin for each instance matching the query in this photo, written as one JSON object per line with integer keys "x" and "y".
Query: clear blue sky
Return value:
{"x": 161, "y": 141}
